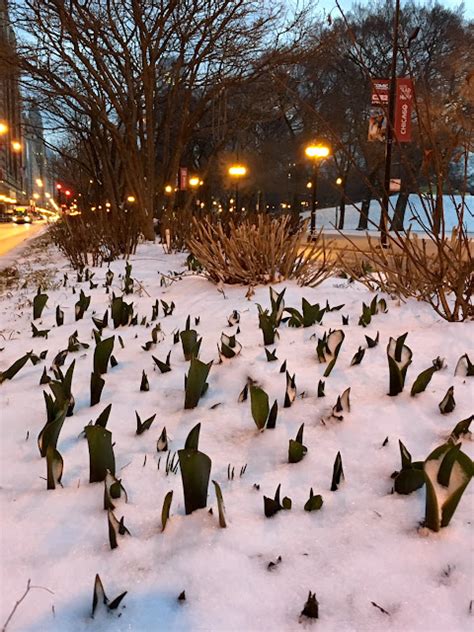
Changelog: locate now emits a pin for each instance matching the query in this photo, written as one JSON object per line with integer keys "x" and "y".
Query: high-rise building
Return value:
{"x": 11, "y": 141}
{"x": 37, "y": 180}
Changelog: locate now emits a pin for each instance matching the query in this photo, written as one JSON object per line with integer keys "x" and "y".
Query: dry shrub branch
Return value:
{"x": 259, "y": 250}
{"x": 94, "y": 237}
{"x": 438, "y": 271}
{"x": 175, "y": 228}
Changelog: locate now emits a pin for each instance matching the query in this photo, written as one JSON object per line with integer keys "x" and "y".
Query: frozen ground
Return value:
{"x": 363, "y": 546}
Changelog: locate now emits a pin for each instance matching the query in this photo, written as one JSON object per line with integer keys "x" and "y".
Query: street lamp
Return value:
{"x": 16, "y": 146}
{"x": 131, "y": 199}
{"x": 3, "y": 128}
{"x": 237, "y": 171}
{"x": 195, "y": 183}
{"x": 317, "y": 153}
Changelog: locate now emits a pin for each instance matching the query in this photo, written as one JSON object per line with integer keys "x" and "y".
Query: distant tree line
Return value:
{"x": 134, "y": 89}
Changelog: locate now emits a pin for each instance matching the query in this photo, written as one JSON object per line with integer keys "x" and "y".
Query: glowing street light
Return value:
{"x": 194, "y": 182}
{"x": 316, "y": 152}
{"x": 168, "y": 189}
{"x": 237, "y": 171}
{"x": 16, "y": 146}
{"x": 131, "y": 199}
{"x": 3, "y": 128}
{"x": 338, "y": 181}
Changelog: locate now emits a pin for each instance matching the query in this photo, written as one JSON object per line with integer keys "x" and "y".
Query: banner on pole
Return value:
{"x": 377, "y": 126}
{"x": 183, "y": 178}
{"x": 380, "y": 91}
{"x": 403, "y": 109}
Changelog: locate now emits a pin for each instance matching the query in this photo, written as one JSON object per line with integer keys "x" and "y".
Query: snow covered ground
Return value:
{"x": 415, "y": 217}
{"x": 362, "y": 548}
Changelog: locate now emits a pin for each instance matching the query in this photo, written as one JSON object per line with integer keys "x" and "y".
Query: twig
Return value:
{"x": 28, "y": 588}
{"x": 141, "y": 286}
{"x": 380, "y": 608}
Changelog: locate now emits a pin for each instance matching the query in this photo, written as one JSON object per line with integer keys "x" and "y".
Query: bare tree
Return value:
{"x": 143, "y": 73}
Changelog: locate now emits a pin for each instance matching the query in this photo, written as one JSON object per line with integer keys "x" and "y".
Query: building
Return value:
{"x": 11, "y": 140}
{"x": 37, "y": 180}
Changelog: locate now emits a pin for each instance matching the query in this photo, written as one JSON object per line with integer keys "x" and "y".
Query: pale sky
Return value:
{"x": 330, "y": 5}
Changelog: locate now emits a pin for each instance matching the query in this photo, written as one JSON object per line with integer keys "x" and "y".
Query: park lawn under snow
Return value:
{"x": 363, "y": 546}
{"x": 416, "y": 218}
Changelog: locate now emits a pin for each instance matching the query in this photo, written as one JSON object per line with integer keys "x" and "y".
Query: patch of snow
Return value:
{"x": 361, "y": 547}
{"x": 415, "y": 217}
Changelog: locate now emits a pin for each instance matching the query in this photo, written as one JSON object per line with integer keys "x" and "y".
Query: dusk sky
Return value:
{"x": 329, "y": 5}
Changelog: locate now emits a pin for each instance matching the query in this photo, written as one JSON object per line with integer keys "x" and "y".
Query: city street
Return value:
{"x": 12, "y": 235}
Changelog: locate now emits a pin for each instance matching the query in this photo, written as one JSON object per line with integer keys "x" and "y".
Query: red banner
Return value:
{"x": 403, "y": 108}
{"x": 380, "y": 91}
{"x": 183, "y": 178}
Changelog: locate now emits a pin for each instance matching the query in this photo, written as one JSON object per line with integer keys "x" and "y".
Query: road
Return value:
{"x": 12, "y": 235}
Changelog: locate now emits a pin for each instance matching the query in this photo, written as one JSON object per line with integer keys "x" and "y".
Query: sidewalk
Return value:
{"x": 14, "y": 238}
{"x": 354, "y": 241}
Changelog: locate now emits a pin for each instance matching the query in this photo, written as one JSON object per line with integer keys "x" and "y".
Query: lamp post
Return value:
{"x": 237, "y": 171}
{"x": 341, "y": 183}
{"x": 389, "y": 138}
{"x": 316, "y": 153}
{"x": 195, "y": 183}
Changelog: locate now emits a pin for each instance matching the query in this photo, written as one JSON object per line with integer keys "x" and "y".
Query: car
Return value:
{"x": 5, "y": 217}
{"x": 21, "y": 218}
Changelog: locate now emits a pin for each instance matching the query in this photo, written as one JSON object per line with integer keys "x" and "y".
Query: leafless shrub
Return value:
{"x": 175, "y": 228}
{"x": 8, "y": 278}
{"x": 95, "y": 237}
{"x": 261, "y": 250}
{"x": 438, "y": 271}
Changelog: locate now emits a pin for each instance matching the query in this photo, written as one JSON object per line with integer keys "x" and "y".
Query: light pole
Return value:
{"x": 194, "y": 183}
{"x": 389, "y": 138}
{"x": 237, "y": 172}
{"x": 316, "y": 153}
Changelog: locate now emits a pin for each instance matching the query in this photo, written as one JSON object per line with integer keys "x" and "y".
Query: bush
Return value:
{"x": 258, "y": 250}
{"x": 174, "y": 228}
{"x": 94, "y": 237}
{"x": 436, "y": 270}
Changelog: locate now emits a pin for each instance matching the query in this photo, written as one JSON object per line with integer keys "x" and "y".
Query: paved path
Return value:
{"x": 12, "y": 235}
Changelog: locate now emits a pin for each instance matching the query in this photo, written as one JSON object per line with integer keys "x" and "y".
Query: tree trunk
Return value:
{"x": 400, "y": 209}
{"x": 438, "y": 211}
{"x": 364, "y": 210}
{"x": 147, "y": 226}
